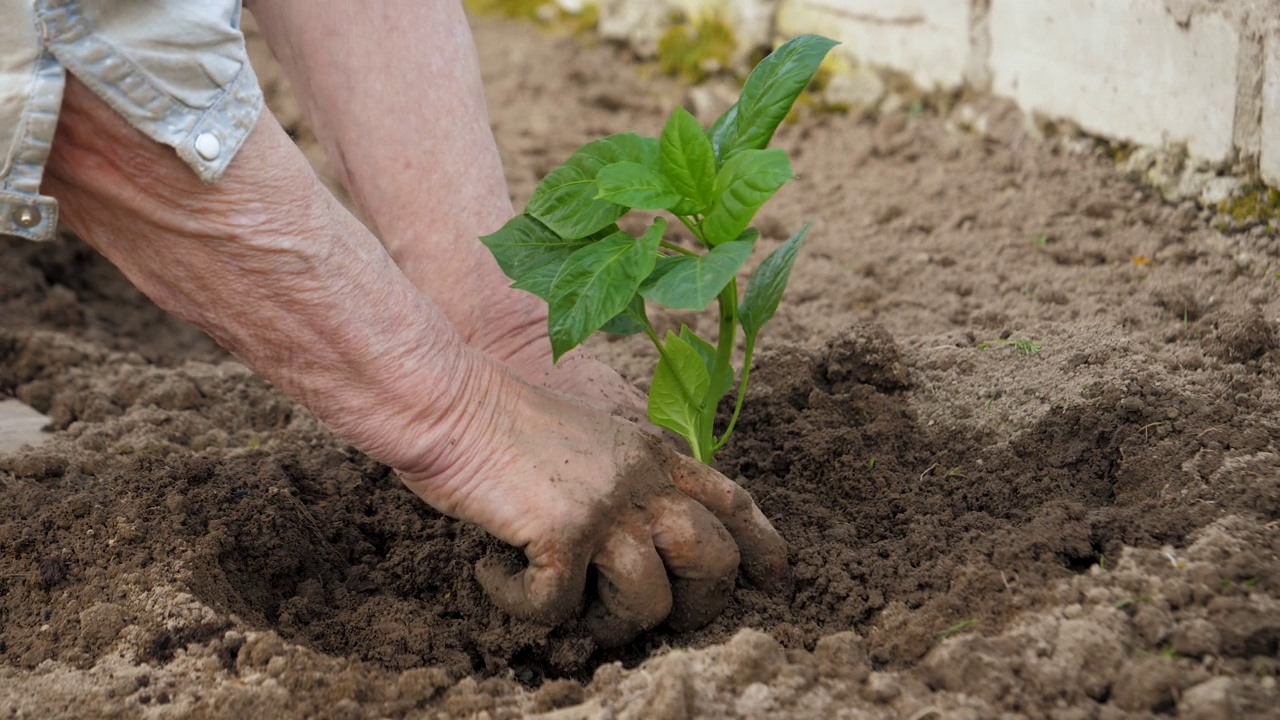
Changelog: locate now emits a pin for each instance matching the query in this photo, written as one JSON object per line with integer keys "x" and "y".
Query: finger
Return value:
{"x": 764, "y": 552}
{"x": 548, "y": 591}
{"x": 702, "y": 560}
{"x": 634, "y": 594}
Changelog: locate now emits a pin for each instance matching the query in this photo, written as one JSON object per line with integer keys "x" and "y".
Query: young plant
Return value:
{"x": 566, "y": 247}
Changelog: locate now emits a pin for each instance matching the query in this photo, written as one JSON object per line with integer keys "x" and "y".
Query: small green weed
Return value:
{"x": 962, "y": 625}
{"x": 1023, "y": 345}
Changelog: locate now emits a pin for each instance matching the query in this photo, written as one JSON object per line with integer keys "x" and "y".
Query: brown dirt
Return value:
{"x": 1089, "y": 531}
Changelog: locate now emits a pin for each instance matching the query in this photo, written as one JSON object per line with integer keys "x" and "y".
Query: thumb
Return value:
{"x": 548, "y": 590}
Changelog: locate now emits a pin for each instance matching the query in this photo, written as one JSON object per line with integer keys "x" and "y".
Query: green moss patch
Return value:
{"x": 695, "y": 49}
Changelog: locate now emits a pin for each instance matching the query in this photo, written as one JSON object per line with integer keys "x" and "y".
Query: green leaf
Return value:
{"x": 635, "y": 186}
{"x": 687, "y": 207}
{"x": 687, "y": 160}
{"x": 565, "y": 200}
{"x": 679, "y": 384}
{"x": 691, "y": 282}
{"x": 764, "y": 289}
{"x": 767, "y": 96}
{"x": 530, "y": 252}
{"x": 721, "y": 129}
{"x": 707, "y": 352}
{"x": 745, "y": 183}
{"x": 597, "y": 283}
{"x": 630, "y": 321}
{"x": 750, "y": 235}
{"x": 538, "y": 282}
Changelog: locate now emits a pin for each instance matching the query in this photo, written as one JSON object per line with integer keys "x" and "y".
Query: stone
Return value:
{"x": 1218, "y": 190}
{"x": 1209, "y": 700}
{"x": 856, "y": 89}
{"x": 1106, "y": 64}
{"x": 927, "y": 39}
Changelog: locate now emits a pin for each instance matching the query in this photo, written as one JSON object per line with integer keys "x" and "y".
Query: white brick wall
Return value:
{"x": 1204, "y": 73}
{"x": 642, "y": 22}
{"x": 927, "y": 39}
{"x": 1121, "y": 68}
{"x": 1270, "y": 160}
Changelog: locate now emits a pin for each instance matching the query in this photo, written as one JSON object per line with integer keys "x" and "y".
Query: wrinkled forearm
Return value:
{"x": 393, "y": 93}
{"x": 275, "y": 270}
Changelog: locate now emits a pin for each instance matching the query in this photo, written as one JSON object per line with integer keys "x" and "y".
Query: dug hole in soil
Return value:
{"x": 1016, "y": 417}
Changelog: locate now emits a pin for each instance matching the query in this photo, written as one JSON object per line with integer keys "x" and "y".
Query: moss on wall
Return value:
{"x": 693, "y": 49}
{"x": 543, "y": 12}
{"x": 1259, "y": 205}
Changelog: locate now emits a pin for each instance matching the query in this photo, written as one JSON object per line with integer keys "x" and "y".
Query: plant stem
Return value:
{"x": 723, "y": 366}
{"x": 676, "y": 248}
{"x": 692, "y": 228}
{"x": 742, "y": 394}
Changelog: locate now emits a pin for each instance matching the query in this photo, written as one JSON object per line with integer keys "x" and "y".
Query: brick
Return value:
{"x": 1270, "y": 156}
{"x": 927, "y": 39}
{"x": 1121, "y": 68}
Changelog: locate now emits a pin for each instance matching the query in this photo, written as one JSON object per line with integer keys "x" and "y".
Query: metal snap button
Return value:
{"x": 208, "y": 146}
{"x": 26, "y": 217}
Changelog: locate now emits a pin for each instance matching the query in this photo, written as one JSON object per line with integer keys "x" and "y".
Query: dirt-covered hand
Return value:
{"x": 515, "y": 333}
{"x": 574, "y": 487}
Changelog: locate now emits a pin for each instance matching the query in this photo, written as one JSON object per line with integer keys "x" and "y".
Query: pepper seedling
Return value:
{"x": 566, "y": 247}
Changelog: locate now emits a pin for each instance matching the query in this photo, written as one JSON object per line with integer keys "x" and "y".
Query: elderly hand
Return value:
{"x": 574, "y": 487}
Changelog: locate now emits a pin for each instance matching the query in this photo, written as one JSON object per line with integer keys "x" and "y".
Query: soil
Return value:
{"x": 1017, "y": 418}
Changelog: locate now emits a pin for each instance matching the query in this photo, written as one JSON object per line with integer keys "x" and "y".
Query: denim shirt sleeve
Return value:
{"x": 176, "y": 70}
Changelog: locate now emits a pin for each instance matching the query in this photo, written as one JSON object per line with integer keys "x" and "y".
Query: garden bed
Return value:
{"x": 1016, "y": 417}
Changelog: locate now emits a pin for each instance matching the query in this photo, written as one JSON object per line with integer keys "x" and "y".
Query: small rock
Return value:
{"x": 1152, "y": 623}
{"x": 756, "y": 700}
{"x": 100, "y": 624}
{"x": 968, "y": 118}
{"x": 259, "y": 648}
{"x": 1192, "y": 184}
{"x": 860, "y": 88}
{"x": 671, "y": 693}
{"x": 556, "y": 694}
{"x": 1141, "y": 161}
{"x": 1151, "y": 684}
{"x": 882, "y": 688}
{"x": 752, "y": 656}
{"x": 1240, "y": 336}
{"x": 1131, "y": 405}
{"x": 1196, "y": 638}
{"x": 843, "y": 653}
{"x": 1209, "y": 700}
{"x": 1218, "y": 190}
{"x": 421, "y": 684}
